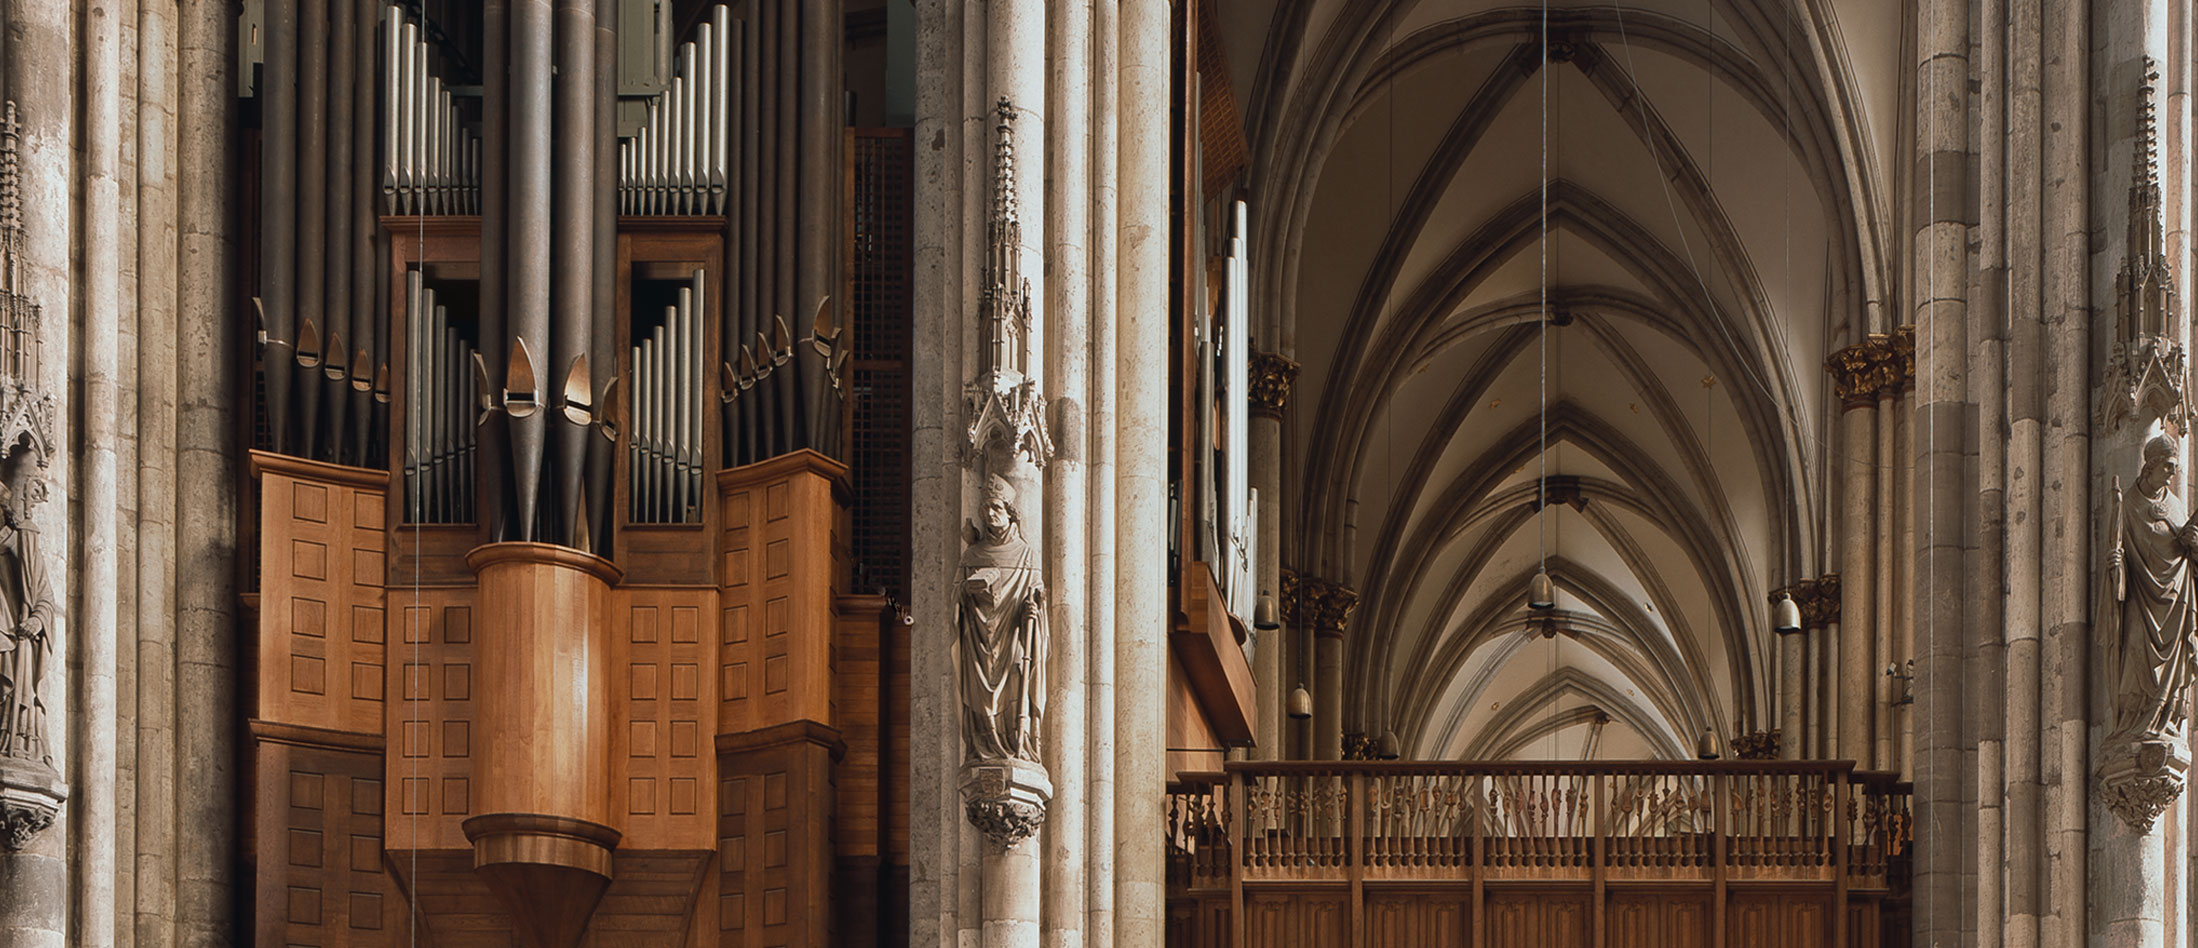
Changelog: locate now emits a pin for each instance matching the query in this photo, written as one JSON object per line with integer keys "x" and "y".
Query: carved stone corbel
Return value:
{"x": 31, "y": 791}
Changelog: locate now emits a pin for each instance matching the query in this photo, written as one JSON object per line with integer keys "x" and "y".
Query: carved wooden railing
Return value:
{"x": 1736, "y": 821}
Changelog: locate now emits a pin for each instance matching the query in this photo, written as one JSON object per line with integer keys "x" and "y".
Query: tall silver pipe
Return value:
{"x": 392, "y": 74}
{"x": 278, "y": 220}
{"x": 406, "y": 75}
{"x": 445, "y": 395}
{"x": 414, "y": 410}
{"x": 822, "y": 34}
{"x": 721, "y": 79}
{"x": 786, "y": 296}
{"x": 744, "y": 275}
{"x": 603, "y": 338}
{"x": 528, "y": 297}
{"x": 573, "y": 246}
{"x": 495, "y": 274}
{"x": 683, "y": 407}
{"x": 636, "y": 370}
{"x": 336, "y": 284}
{"x": 367, "y": 323}
{"x": 705, "y": 112}
{"x": 698, "y": 325}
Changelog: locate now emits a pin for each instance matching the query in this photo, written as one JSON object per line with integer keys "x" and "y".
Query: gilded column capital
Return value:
{"x": 1901, "y": 344}
{"x": 1324, "y": 604}
{"x": 1822, "y": 607}
{"x": 1271, "y": 375}
{"x": 1863, "y": 372}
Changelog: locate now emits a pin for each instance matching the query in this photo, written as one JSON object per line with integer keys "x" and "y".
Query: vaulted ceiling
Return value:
{"x": 1658, "y": 230}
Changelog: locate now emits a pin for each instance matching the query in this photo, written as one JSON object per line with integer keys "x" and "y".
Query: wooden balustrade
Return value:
{"x": 1275, "y": 834}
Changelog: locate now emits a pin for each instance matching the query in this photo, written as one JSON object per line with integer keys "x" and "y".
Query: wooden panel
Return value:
{"x": 1289, "y": 920}
{"x": 783, "y": 559}
{"x": 865, "y": 630}
{"x": 1187, "y": 726}
{"x": 544, "y": 715}
{"x": 433, "y": 739}
{"x": 1787, "y": 919}
{"x": 664, "y": 779}
{"x": 320, "y": 878}
{"x": 1658, "y": 920}
{"x": 774, "y": 845}
{"x": 1419, "y": 919}
{"x": 1538, "y": 919}
{"x": 323, "y": 550}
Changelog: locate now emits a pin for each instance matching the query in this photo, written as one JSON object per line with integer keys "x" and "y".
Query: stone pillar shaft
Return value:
{"x": 1067, "y": 235}
{"x": 1328, "y": 694}
{"x": 1856, "y": 681}
{"x": 96, "y": 628}
{"x": 1141, "y": 498}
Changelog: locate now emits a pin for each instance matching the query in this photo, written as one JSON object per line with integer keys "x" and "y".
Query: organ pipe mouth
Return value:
{"x": 520, "y": 388}
{"x": 309, "y": 344}
{"x": 579, "y": 400}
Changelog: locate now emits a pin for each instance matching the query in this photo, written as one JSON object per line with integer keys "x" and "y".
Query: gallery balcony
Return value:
{"x": 1358, "y": 853}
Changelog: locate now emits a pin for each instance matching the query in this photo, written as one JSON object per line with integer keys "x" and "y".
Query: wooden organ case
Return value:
{"x": 672, "y": 717}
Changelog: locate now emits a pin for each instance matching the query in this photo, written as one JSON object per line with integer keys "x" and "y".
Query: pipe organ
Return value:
{"x": 554, "y": 604}
{"x": 439, "y": 442}
{"x": 666, "y": 447}
{"x": 676, "y": 165}
{"x": 431, "y": 156}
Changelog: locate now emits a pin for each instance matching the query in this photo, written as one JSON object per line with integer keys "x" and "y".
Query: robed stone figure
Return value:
{"x": 2152, "y": 593}
{"x": 26, "y": 643}
{"x": 1003, "y": 634}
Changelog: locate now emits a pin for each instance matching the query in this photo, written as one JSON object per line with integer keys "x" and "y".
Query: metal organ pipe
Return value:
{"x": 665, "y": 452}
{"x": 431, "y": 160}
{"x": 278, "y": 221}
{"x": 677, "y": 163}
{"x": 369, "y": 322}
{"x": 527, "y": 293}
{"x": 573, "y": 273}
{"x": 602, "y": 341}
{"x": 337, "y": 286}
{"x": 439, "y": 422}
{"x": 312, "y": 213}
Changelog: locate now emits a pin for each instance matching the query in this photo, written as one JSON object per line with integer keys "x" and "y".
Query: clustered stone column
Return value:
{"x": 1324, "y": 607}
{"x": 1273, "y": 659}
{"x": 1818, "y": 601}
{"x": 119, "y": 379}
{"x": 1039, "y": 484}
{"x": 1868, "y": 378}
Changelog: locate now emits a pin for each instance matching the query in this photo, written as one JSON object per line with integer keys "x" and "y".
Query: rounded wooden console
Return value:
{"x": 544, "y": 836}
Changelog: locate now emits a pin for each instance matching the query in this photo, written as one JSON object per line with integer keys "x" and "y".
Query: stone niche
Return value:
{"x": 543, "y": 751}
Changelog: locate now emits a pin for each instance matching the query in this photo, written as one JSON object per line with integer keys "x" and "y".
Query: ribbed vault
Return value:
{"x": 1658, "y": 225}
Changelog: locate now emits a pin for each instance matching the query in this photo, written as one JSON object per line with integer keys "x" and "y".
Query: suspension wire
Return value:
{"x": 1541, "y": 477}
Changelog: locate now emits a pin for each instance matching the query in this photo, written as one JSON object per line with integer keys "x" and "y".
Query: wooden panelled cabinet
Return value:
{"x": 546, "y": 751}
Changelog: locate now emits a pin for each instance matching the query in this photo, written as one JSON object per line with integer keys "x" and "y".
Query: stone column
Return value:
{"x": 1067, "y": 495}
{"x": 1791, "y": 669}
{"x": 1856, "y": 370}
{"x": 1271, "y": 376}
{"x": 1328, "y": 608}
{"x": 98, "y": 598}
{"x": 208, "y": 376}
{"x": 154, "y": 808}
{"x": 1099, "y": 827}
{"x": 1141, "y": 493}
{"x": 1896, "y": 523}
